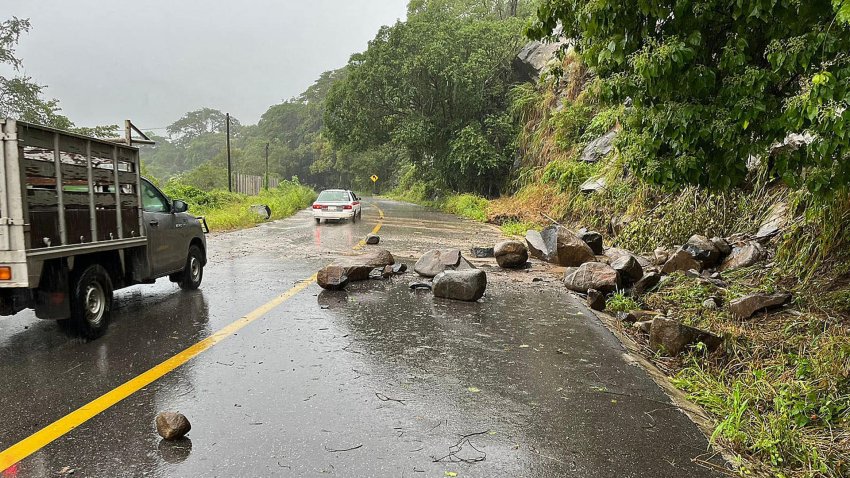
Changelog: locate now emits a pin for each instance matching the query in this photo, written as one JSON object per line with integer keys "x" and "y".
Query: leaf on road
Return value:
{"x": 473, "y": 389}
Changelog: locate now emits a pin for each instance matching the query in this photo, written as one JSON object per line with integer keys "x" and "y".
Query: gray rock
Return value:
{"x": 332, "y": 277}
{"x": 593, "y": 185}
{"x": 743, "y": 256}
{"x": 531, "y": 61}
{"x": 646, "y": 284}
{"x": 709, "y": 304}
{"x": 614, "y": 253}
{"x": 592, "y": 275}
{"x": 681, "y": 260}
{"x": 373, "y": 239}
{"x": 671, "y": 337}
{"x": 661, "y": 255}
{"x": 511, "y": 254}
{"x": 593, "y": 239}
{"x": 262, "y": 210}
{"x": 400, "y": 268}
{"x": 722, "y": 245}
{"x": 537, "y": 246}
{"x": 465, "y": 285}
{"x": 482, "y": 252}
{"x": 172, "y": 425}
{"x": 627, "y": 317}
{"x": 774, "y": 221}
{"x": 570, "y": 251}
{"x": 358, "y": 268}
{"x": 435, "y": 261}
{"x": 599, "y": 147}
{"x": 420, "y": 286}
{"x": 628, "y": 268}
{"x": 703, "y": 250}
{"x": 745, "y": 307}
{"x": 595, "y": 300}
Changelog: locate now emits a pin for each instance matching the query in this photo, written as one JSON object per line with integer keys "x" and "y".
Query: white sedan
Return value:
{"x": 337, "y": 204}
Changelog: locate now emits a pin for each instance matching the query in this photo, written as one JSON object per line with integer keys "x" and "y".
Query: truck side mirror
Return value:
{"x": 179, "y": 206}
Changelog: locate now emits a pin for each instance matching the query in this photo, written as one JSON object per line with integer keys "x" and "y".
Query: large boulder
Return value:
{"x": 681, "y": 260}
{"x": 703, "y": 250}
{"x": 466, "y": 285}
{"x": 592, "y": 275}
{"x": 628, "y": 268}
{"x": 743, "y": 256}
{"x": 172, "y": 425}
{"x": 646, "y": 283}
{"x": 745, "y": 307}
{"x": 332, "y": 277}
{"x": 358, "y": 268}
{"x": 570, "y": 250}
{"x": 438, "y": 260}
{"x": 510, "y": 254}
{"x": 532, "y": 60}
{"x": 599, "y": 147}
{"x": 593, "y": 239}
{"x": 614, "y": 253}
{"x": 671, "y": 337}
{"x": 537, "y": 246}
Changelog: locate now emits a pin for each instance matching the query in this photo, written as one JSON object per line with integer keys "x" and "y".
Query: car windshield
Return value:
{"x": 340, "y": 196}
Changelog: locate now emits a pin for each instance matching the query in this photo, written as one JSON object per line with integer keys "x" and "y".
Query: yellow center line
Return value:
{"x": 69, "y": 422}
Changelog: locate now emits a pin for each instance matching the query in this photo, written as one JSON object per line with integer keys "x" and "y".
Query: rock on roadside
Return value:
{"x": 745, "y": 307}
{"x": 172, "y": 425}
{"x": 592, "y": 275}
{"x": 681, "y": 260}
{"x": 743, "y": 256}
{"x": 511, "y": 254}
{"x": 703, "y": 250}
{"x": 438, "y": 260}
{"x": 593, "y": 239}
{"x": 332, "y": 277}
{"x": 671, "y": 337}
{"x": 646, "y": 284}
{"x": 595, "y": 300}
{"x": 465, "y": 285}
{"x": 570, "y": 250}
{"x": 628, "y": 269}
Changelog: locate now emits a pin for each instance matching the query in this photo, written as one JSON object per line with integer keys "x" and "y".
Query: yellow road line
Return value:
{"x": 69, "y": 422}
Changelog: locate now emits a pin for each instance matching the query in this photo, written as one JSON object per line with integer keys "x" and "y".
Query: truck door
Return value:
{"x": 163, "y": 234}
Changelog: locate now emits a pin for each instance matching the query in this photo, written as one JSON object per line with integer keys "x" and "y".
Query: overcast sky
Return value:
{"x": 152, "y": 61}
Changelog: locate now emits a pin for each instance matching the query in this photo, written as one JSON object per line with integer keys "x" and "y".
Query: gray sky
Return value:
{"x": 152, "y": 61}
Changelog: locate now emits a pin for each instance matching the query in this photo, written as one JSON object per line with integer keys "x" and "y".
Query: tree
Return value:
{"x": 20, "y": 96}
{"x": 420, "y": 84}
{"x": 199, "y": 122}
{"x": 713, "y": 82}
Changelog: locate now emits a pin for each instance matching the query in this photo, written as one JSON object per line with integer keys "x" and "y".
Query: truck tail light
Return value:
{"x": 5, "y": 273}
{"x": 317, "y": 206}
{"x": 348, "y": 206}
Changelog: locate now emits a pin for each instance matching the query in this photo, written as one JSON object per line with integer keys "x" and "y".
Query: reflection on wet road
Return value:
{"x": 375, "y": 381}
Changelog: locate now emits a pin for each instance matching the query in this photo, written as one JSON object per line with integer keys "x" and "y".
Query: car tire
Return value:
{"x": 193, "y": 272}
{"x": 318, "y": 220}
{"x": 354, "y": 218}
{"x": 91, "y": 302}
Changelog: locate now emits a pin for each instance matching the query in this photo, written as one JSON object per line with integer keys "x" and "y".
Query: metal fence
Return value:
{"x": 251, "y": 185}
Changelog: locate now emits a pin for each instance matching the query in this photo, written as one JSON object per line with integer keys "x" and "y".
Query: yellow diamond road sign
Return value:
{"x": 374, "y": 178}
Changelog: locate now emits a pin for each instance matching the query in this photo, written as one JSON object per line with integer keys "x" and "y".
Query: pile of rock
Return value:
{"x": 453, "y": 276}
{"x": 375, "y": 265}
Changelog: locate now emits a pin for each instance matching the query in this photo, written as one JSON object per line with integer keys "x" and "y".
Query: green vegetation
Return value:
{"x": 225, "y": 211}
{"x": 619, "y": 302}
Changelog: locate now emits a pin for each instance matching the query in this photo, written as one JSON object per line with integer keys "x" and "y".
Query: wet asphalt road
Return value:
{"x": 375, "y": 381}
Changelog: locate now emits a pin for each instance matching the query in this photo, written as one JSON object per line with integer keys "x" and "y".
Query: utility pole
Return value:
{"x": 267, "y": 166}
{"x": 229, "y": 172}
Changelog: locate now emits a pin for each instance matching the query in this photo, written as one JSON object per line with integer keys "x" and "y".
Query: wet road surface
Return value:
{"x": 374, "y": 381}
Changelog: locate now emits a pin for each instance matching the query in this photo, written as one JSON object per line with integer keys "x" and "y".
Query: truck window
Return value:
{"x": 152, "y": 199}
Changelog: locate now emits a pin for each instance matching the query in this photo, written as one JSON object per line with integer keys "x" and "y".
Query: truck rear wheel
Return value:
{"x": 193, "y": 273}
{"x": 91, "y": 302}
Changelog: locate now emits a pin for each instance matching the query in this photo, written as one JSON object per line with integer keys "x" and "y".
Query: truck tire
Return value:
{"x": 91, "y": 302}
{"x": 193, "y": 273}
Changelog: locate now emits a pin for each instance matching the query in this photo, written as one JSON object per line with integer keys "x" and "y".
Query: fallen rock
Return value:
{"x": 745, "y": 307}
{"x": 628, "y": 268}
{"x": 420, "y": 286}
{"x": 332, "y": 277}
{"x": 172, "y": 425}
{"x": 614, "y": 253}
{"x": 570, "y": 251}
{"x": 592, "y": 275}
{"x": 593, "y": 185}
{"x": 681, "y": 260}
{"x": 595, "y": 300}
{"x": 373, "y": 239}
{"x": 465, "y": 285}
{"x": 388, "y": 272}
{"x": 709, "y": 304}
{"x": 482, "y": 252}
{"x": 627, "y": 317}
{"x": 644, "y": 326}
{"x": 358, "y": 268}
{"x": 531, "y": 61}
{"x": 661, "y": 255}
{"x": 510, "y": 254}
{"x": 646, "y": 283}
{"x": 774, "y": 221}
{"x": 400, "y": 268}
{"x": 593, "y": 239}
{"x": 703, "y": 250}
{"x": 722, "y": 245}
{"x": 262, "y": 210}
{"x": 743, "y": 256}
{"x": 435, "y": 261}
{"x": 671, "y": 337}
{"x": 599, "y": 147}
{"x": 537, "y": 246}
